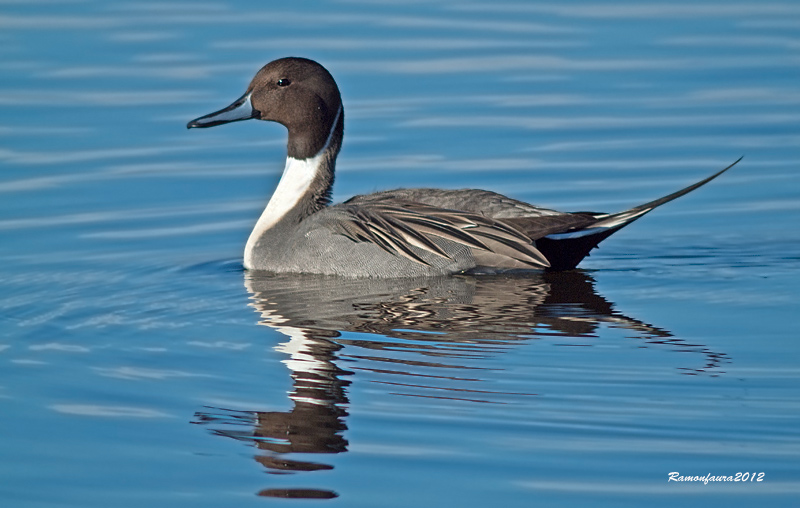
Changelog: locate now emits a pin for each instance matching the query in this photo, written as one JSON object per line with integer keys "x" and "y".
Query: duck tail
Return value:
{"x": 566, "y": 249}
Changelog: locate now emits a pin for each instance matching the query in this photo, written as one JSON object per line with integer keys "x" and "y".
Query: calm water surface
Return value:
{"x": 141, "y": 366}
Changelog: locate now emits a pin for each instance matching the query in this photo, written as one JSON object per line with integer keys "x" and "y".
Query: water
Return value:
{"x": 134, "y": 370}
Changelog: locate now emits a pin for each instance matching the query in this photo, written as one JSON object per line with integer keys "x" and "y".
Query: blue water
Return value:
{"x": 141, "y": 366}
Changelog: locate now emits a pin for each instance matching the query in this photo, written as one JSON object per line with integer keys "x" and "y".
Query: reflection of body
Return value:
{"x": 432, "y": 320}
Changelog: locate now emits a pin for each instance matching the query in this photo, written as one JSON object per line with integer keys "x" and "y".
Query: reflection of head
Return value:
{"x": 316, "y": 422}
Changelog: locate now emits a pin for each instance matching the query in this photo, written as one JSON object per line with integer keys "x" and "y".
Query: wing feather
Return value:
{"x": 405, "y": 228}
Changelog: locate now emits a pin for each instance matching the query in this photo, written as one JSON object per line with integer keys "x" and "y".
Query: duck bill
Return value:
{"x": 242, "y": 109}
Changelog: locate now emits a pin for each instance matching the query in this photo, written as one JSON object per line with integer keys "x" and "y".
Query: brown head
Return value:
{"x": 295, "y": 92}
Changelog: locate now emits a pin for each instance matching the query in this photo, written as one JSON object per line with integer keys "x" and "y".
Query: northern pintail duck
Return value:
{"x": 397, "y": 233}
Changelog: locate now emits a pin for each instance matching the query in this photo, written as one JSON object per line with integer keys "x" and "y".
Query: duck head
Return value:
{"x": 299, "y": 94}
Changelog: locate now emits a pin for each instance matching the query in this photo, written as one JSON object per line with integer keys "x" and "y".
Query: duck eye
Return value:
{"x": 284, "y": 82}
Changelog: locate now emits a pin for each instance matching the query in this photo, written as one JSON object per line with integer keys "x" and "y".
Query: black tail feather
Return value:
{"x": 675, "y": 195}
{"x": 566, "y": 253}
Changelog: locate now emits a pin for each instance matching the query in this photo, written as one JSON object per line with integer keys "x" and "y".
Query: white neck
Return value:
{"x": 295, "y": 183}
{"x": 298, "y": 175}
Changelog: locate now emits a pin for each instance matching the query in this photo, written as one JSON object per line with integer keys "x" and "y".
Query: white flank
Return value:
{"x": 611, "y": 221}
{"x": 298, "y": 175}
{"x": 620, "y": 219}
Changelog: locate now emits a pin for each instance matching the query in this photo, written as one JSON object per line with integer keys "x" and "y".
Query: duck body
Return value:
{"x": 398, "y": 233}
{"x": 320, "y": 242}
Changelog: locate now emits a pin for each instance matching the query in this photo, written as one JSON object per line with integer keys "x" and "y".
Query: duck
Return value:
{"x": 414, "y": 232}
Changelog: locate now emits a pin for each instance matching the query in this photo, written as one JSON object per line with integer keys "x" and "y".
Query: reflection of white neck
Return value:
{"x": 301, "y": 352}
{"x": 298, "y": 175}
{"x": 299, "y": 347}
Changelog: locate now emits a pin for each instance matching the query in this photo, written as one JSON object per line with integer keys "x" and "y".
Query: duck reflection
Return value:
{"x": 430, "y": 331}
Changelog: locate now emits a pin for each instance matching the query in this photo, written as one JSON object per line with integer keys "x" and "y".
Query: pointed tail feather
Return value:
{"x": 566, "y": 249}
{"x": 628, "y": 216}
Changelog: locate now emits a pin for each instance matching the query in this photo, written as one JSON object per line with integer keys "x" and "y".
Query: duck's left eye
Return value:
{"x": 284, "y": 82}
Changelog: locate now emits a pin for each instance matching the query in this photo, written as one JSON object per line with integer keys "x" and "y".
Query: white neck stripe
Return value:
{"x": 333, "y": 129}
{"x": 298, "y": 175}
